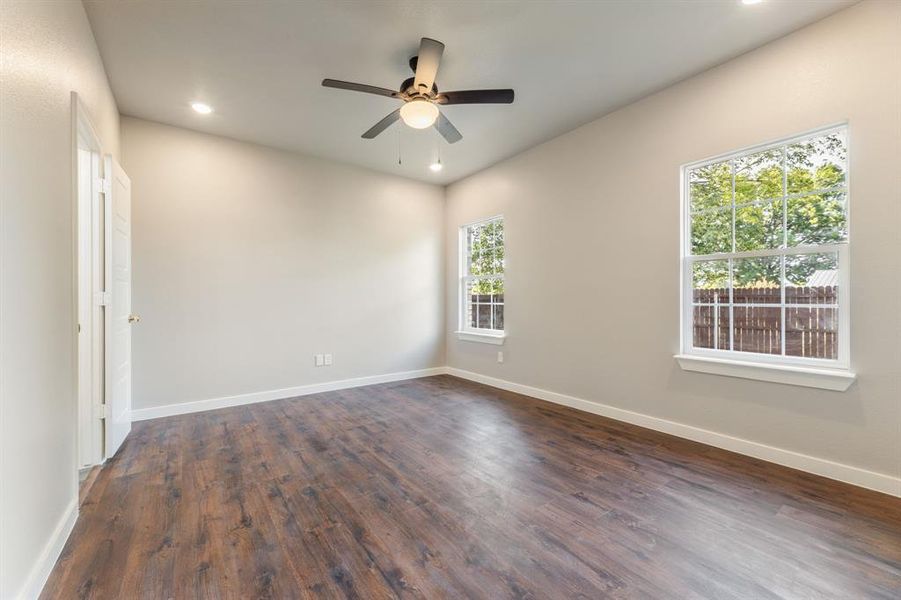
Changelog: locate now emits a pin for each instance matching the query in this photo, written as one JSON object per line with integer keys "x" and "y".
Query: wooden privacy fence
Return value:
{"x": 482, "y": 307}
{"x": 811, "y": 329}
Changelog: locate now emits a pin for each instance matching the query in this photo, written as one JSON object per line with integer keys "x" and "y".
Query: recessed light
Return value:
{"x": 749, "y": 2}
{"x": 202, "y": 108}
{"x": 436, "y": 166}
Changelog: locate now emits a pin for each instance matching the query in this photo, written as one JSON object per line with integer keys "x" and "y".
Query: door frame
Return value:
{"x": 88, "y": 193}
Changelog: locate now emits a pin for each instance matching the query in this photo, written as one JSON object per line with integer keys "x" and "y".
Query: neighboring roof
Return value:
{"x": 822, "y": 278}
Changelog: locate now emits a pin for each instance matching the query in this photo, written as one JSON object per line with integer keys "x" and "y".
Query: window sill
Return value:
{"x": 827, "y": 379}
{"x": 485, "y": 338}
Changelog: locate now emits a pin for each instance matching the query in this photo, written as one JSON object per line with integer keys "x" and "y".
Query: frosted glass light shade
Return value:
{"x": 419, "y": 114}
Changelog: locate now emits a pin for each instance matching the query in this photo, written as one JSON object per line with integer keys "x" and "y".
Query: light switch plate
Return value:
{"x": 328, "y": 360}
{"x": 319, "y": 360}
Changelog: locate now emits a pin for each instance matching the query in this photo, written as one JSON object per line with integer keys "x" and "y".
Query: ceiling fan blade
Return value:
{"x": 447, "y": 129}
{"x": 476, "y": 97}
{"x": 382, "y": 125}
{"x": 427, "y": 62}
{"x": 359, "y": 87}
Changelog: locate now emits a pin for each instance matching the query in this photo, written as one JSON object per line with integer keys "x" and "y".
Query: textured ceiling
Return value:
{"x": 259, "y": 64}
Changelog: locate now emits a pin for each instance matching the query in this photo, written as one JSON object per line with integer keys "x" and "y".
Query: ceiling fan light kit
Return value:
{"x": 419, "y": 114}
{"x": 421, "y": 97}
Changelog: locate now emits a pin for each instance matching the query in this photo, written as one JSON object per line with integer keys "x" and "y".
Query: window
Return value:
{"x": 482, "y": 279}
{"x": 765, "y": 256}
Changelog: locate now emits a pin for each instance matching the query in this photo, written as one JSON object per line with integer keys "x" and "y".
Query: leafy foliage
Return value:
{"x": 486, "y": 256}
{"x": 782, "y": 197}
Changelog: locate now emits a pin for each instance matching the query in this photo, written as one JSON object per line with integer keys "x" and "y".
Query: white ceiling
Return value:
{"x": 260, "y": 64}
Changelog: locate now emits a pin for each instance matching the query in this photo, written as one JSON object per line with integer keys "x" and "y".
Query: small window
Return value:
{"x": 765, "y": 256}
{"x": 482, "y": 277}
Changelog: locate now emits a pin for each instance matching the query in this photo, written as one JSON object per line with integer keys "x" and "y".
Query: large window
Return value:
{"x": 482, "y": 277}
{"x": 765, "y": 255}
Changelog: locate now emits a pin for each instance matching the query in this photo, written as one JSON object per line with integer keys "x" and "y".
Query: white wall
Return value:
{"x": 48, "y": 51}
{"x": 592, "y": 226}
{"x": 248, "y": 260}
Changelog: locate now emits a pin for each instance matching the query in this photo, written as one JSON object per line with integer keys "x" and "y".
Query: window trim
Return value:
{"x": 464, "y": 330}
{"x": 732, "y": 362}
{"x": 474, "y": 335}
{"x": 837, "y": 380}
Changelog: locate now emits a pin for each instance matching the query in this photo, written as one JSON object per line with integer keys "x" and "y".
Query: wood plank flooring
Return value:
{"x": 442, "y": 488}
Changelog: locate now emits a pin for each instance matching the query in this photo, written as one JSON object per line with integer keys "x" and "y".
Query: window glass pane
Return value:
{"x": 817, "y": 163}
{"x": 499, "y": 259}
{"x": 481, "y": 260}
{"x": 817, "y": 219}
{"x": 472, "y": 239}
{"x": 811, "y": 332}
{"x": 811, "y": 278}
{"x": 710, "y": 327}
{"x": 711, "y": 232}
{"x": 498, "y": 316}
{"x": 483, "y": 318}
{"x": 495, "y": 232}
{"x": 480, "y": 233}
{"x": 710, "y": 281}
{"x": 486, "y": 252}
{"x": 479, "y": 291}
{"x": 487, "y": 289}
{"x": 710, "y": 186}
{"x": 757, "y": 280}
{"x": 702, "y": 327}
{"x": 757, "y": 329}
{"x": 758, "y": 227}
{"x": 496, "y": 287}
{"x": 483, "y": 296}
{"x": 758, "y": 176}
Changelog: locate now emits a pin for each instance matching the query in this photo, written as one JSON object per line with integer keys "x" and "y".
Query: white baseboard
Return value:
{"x": 183, "y": 408}
{"x": 818, "y": 466}
{"x": 810, "y": 464}
{"x": 47, "y": 559}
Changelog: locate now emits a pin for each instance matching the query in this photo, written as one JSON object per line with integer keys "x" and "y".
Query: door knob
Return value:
{"x": 133, "y": 318}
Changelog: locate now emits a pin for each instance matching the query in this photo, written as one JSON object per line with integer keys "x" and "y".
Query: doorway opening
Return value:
{"x": 89, "y": 269}
{"x": 102, "y": 298}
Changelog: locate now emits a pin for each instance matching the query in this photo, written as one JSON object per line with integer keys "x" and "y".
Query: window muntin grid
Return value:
{"x": 766, "y": 239}
{"x": 482, "y": 279}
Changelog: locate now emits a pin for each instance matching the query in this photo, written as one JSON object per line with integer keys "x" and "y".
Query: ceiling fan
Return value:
{"x": 421, "y": 96}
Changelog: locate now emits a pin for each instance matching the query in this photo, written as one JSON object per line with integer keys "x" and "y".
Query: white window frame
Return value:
{"x": 812, "y": 372}
{"x": 465, "y": 331}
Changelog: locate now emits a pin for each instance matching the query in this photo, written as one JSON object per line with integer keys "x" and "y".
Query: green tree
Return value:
{"x": 792, "y": 195}
{"x": 486, "y": 244}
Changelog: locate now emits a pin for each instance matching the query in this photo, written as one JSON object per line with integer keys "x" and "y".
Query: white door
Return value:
{"x": 118, "y": 309}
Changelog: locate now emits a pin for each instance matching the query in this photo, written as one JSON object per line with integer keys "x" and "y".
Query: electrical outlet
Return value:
{"x": 328, "y": 360}
{"x": 319, "y": 360}
{"x": 500, "y": 356}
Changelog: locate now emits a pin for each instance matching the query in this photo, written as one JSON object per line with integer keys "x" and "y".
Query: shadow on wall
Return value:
{"x": 816, "y": 404}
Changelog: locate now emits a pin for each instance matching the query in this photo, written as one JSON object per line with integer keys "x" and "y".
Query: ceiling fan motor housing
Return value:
{"x": 407, "y": 88}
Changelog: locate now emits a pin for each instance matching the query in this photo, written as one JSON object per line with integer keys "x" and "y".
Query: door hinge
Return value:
{"x": 103, "y": 185}
{"x": 101, "y": 411}
{"x": 102, "y": 298}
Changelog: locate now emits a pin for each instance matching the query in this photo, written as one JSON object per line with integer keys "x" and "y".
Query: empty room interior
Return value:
{"x": 436, "y": 299}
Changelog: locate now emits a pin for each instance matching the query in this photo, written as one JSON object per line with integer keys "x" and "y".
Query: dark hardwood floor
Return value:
{"x": 442, "y": 488}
